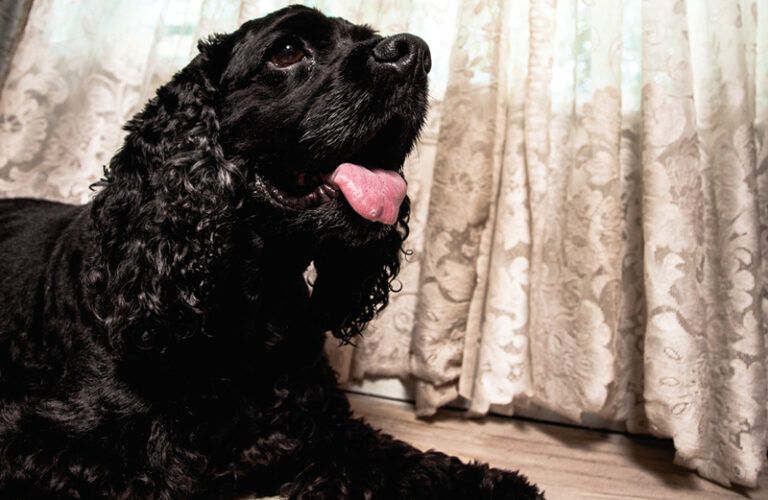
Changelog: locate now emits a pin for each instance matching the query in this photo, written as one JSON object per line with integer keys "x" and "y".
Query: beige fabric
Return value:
{"x": 590, "y": 196}
{"x": 596, "y": 222}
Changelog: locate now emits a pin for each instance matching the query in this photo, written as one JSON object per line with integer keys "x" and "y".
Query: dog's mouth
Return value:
{"x": 369, "y": 180}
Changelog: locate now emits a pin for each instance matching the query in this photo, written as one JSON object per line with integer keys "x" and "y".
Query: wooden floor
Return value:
{"x": 568, "y": 463}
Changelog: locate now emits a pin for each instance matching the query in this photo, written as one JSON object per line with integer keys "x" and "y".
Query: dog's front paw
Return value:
{"x": 500, "y": 484}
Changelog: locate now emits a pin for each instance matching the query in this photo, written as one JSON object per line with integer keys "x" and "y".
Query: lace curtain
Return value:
{"x": 590, "y": 197}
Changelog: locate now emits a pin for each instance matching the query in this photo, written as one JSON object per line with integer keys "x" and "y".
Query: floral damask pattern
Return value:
{"x": 61, "y": 111}
{"x": 705, "y": 357}
{"x": 590, "y": 197}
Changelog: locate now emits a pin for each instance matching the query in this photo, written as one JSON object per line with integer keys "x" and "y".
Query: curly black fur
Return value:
{"x": 162, "y": 342}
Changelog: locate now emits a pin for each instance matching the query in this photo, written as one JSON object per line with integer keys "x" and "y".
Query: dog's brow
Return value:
{"x": 304, "y": 20}
{"x": 362, "y": 32}
{"x": 357, "y": 32}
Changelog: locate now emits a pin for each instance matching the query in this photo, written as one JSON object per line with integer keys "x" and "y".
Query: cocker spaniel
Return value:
{"x": 162, "y": 342}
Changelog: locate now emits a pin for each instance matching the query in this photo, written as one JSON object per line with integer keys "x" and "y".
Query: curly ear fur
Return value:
{"x": 164, "y": 212}
{"x": 353, "y": 282}
{"x": 165, "y": 217}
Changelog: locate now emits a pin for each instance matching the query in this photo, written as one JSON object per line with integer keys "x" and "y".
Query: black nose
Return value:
{"x": 406, "y": 54}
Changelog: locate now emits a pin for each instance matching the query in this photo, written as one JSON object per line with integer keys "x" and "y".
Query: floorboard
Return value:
{"x": 567, "y": 462}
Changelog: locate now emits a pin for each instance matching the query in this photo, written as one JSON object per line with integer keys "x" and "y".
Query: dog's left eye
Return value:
{"x": 287, "y": 54}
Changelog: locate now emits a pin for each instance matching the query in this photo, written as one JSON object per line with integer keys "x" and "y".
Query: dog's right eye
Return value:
{"x": 287, "y": 54}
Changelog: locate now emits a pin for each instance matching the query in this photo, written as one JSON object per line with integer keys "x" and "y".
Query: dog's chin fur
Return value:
{"x": 161, "y": 342}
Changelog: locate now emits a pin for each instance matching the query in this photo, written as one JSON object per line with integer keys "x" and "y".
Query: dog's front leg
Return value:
{"x": 305, "y": 444}
{"x": 356, "y": 461}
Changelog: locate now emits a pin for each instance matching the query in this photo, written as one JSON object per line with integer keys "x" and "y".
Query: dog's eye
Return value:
{"x": 287, "y": 54}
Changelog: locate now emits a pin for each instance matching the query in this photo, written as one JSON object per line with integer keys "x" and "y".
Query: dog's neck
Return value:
{"x": 269, "y": 252}
{"x": 258, "y": 322}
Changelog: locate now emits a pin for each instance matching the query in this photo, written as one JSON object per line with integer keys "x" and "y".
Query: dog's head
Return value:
{"x": 322, "y": 113}
{"x": 294, "y": 126}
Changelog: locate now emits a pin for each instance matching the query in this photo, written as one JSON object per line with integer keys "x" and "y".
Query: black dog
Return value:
{"x": 161, "y": 342}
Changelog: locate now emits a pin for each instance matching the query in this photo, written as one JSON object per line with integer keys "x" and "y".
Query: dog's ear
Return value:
{"x": 353, "y": 282}
{"x": 164, "y": 210}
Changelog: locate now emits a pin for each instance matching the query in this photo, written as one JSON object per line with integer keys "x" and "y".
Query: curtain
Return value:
{"x": 590, "y": 197}
{"x": 595, "y": 237}
{"x": 13, "y": 17}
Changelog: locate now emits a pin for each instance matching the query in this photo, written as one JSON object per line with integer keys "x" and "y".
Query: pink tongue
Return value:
{"x": 374, "y": 194}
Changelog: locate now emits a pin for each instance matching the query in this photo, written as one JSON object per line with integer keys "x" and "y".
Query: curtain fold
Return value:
{"x": 589, "y": 198}
{"x": 495, "y": 367}
{"x": 13, "y": 19}
{"x": 705, "y": 370}
{"x": 463, "y": 187}
{"x": 572, "y": 159}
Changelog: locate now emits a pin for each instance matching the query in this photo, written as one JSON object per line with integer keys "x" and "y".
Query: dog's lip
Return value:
{"x": 322, "y": 171}
{"x": 325, "y": 192}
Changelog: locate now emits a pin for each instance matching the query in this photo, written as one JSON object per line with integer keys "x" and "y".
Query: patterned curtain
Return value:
{"x": 590, "y": 226}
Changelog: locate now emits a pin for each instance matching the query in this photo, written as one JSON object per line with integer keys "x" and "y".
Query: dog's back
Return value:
{"x": 39, "y": 257}
{"x": 29, "y": 230}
